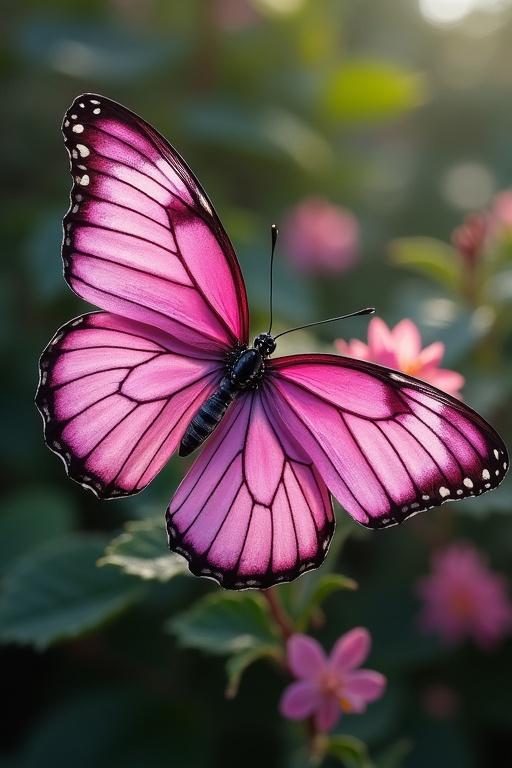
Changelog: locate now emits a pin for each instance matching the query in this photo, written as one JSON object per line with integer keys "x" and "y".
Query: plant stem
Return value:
{"x": 278, "y": 613}
{"x": 284, "y": 623}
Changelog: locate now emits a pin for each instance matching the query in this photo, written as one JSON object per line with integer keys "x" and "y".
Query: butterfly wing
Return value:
{"x": 141, "y": 238}
{"x": 253, "y": 510}
{"x": 387, "y": 446}
{"x": 116, "y": 397}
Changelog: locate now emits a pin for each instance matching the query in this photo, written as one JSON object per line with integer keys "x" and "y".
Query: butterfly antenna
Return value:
{"x": 273, "y": 233}
{"x": 366, "y": 311}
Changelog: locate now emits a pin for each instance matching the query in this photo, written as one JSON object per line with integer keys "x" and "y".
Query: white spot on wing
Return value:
{"x": 78, "y": 128}
{"x": 444, "y": 491}
{"x": 468, "y": 482}
{"x": 485, "y": 474}
{"x": 84, "y": 151}
{"x": 84, "y": 180}
{"x": 96, "y": 111}
{"x": 496, "y": 453}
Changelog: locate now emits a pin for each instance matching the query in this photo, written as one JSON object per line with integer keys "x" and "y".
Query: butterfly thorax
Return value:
{"x": 245, "y": 369}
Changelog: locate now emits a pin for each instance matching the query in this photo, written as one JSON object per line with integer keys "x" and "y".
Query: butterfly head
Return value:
{"x": 265, "y": 344}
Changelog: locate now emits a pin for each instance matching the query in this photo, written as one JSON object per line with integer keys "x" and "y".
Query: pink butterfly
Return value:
{"x": 121, "y": 389}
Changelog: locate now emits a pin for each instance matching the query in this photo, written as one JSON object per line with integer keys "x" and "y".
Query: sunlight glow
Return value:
{"x": 451, "y": 12}
{"x": 281, "y": 7}
{"x": 468, "y": 185}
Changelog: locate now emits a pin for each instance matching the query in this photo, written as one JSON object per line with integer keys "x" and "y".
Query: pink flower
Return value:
{"x": 320, "y": 237}
{"x": 327, "y": 686}
{"x": 469, "y": 238}
{"x": 400, "y": 348}
{"x": 463, "y": 598}
{"x": 501, "y": 211}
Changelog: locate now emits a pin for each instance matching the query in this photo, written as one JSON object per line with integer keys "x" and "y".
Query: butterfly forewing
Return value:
{"x": 388, "y": 446}
{"x": 141, "y": 238}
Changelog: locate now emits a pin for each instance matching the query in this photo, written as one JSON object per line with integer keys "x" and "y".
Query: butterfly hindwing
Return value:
{"x": 252, "y": 511}
{"x": 141, "y": 238}
{"x": 388, "y": 446}
{"x": 116, "y": 397}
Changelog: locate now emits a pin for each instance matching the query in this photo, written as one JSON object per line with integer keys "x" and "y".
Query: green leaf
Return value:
{"x": 325, "y": 586}
{"x": 236, "y": 665}
{"x": 367, "y": 90}
{"x": 30, "y": 519}
{"x": 58, "y": 592}
{"x": 351, "y": 752}
{"x": 429, "y": 257}
{"x": 225, "y": 623}
{"x": 142, "y": 551}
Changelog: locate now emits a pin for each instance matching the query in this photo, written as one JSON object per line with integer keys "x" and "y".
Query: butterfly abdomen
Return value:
{"x": 208, "y": 417}
{"x": 245, "y": 371}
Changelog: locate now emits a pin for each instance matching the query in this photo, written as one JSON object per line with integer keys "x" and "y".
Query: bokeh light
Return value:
{"x": 450, "y": 12}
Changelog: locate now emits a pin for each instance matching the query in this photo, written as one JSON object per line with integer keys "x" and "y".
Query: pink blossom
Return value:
{"x": 469, "y": 238}
{"x": 329, "y": 685}
{"x": 463, "y": 598}
{"x": 321, "y": 237}
{"x": 400, "y": 348}
{"x": 501, "y": 211}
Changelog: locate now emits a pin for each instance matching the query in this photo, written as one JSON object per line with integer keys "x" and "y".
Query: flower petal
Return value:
{"x": 380, "y": 342}
{"x": 353, "y": 348}
{"x": 364, "y": 684}
{"x": 300, "y": 700}
{"x": 407, "y": 339}
{"x": 306, "y": 657}
{"x": 431, "y": 356}
{"x": 328, "y": 713}
{"x": 449, "y": 381}
{"x": 350, "y": 650}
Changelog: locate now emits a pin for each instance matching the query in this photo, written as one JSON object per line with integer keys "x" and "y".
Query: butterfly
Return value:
{"x": 166, "y": 365}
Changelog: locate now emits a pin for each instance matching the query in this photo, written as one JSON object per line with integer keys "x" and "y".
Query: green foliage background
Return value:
{"x": 366, "y": 104}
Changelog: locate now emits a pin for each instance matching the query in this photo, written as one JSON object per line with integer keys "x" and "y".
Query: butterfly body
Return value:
{"x": 166, "y": 362}
{"x": 246, "y": 368}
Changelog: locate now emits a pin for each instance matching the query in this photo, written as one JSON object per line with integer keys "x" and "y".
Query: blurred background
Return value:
{"x": 373, "y": 130}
